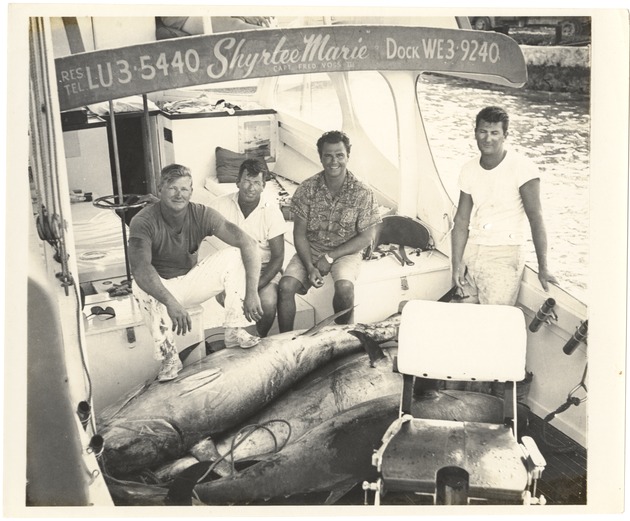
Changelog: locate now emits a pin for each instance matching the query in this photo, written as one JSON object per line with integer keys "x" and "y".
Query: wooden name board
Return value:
{"x": 197, "y": 60}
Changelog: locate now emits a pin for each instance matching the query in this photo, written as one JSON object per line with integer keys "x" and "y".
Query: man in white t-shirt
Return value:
{"x": 499, "y": 194}
{"x": 262, "y": 219}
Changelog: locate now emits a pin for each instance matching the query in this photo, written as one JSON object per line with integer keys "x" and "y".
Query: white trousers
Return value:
{"x": 222, "y": 271}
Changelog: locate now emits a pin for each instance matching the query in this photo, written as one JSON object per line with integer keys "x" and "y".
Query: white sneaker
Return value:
{"x": 237, "y": 336}
{"x": 170, "y": 368}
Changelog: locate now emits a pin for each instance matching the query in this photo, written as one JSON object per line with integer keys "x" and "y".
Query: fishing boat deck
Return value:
{"x": 563, "y": 482}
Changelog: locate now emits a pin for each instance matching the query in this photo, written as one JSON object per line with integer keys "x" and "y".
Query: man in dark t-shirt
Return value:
{"x": 164, "y": 239}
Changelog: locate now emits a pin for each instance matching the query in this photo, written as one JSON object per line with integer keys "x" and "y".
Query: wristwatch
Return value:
{"x": 328, "y": 258}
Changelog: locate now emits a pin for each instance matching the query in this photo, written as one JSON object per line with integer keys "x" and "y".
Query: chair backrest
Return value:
{"x": 458, "y": 341}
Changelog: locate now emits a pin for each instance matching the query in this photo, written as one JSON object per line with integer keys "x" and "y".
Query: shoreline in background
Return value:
{"x": 557, "y": 61}
{"x": 558, "y": 69}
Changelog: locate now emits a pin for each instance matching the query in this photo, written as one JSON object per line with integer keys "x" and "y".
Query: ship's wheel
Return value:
{"x": 113, "y": 202}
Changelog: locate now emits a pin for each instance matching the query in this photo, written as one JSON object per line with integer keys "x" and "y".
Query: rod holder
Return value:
{"x": 83, "y": 411}
{"x": 96, "y": 445}
{"x": 544, "y": 314}
{"x": 578, "y": 336}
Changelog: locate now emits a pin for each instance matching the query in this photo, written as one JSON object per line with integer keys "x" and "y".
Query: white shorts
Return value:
{"x": 493, "y": 273}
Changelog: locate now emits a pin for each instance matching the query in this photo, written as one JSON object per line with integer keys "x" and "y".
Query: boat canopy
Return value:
{"x": 106, "y": 74}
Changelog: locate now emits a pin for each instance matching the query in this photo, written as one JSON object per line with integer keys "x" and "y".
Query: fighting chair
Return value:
{"x": 459, "y": 462}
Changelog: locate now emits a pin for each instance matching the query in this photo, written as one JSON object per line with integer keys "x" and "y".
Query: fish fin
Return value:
{"x": 115, "y": 409}
{"x": 193, "y": 382}
{"x": 207, "y": 374}
{"x": 206, "y": 450}
{"x": 325, "y": 322}
{"x": 448, "y": 296}
{"x": 373, "y": 350}
{"x": 181, "y": 490}
{"x": 188, "y": 386}
{"x": 339, "y": 492}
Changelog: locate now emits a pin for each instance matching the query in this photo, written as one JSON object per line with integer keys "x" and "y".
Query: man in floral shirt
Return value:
{"x": 334, "y": 220}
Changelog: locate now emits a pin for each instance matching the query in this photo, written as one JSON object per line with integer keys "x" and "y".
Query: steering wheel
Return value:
{"x": 110, "y": 202}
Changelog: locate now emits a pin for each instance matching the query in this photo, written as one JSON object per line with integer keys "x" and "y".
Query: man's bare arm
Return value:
{"x": 530, "y": 194}
{"x": 459, "y": 237}
{"x": 303, "y": 249}
{"x": 147, "y": 278}
{"x": 354, "y": 245}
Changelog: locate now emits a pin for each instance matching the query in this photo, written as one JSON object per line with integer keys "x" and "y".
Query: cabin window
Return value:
{"x": 449, "y": 126}
{"x": 374, "y": 107}
{"x": 311, "y": 98}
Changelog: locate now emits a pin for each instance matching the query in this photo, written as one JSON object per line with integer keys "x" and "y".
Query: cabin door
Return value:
{"x": 135, "y": 156}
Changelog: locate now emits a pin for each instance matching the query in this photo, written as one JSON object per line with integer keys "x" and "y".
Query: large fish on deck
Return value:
{"x": 331, "y": 457}
{"x": 331, "y": 389}
{"x": 162, "y": 422}
{"x": 334, "y": 456}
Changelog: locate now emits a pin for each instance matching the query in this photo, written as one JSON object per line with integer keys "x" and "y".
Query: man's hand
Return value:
{"x": 182, "y": 323}
{"x": 252, "y": 308}
{"x": 545, "y": 278}
{"x": 315, "y": 277}
{"x": 459, "y": 276}
{"x": 323, "y": 266}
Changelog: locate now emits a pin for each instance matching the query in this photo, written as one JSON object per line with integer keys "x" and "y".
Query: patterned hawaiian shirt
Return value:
{"x": 333, "y": 221}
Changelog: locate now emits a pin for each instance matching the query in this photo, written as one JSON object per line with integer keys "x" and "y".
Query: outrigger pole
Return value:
{"x": 121, "y": 198}
{"x": 146, "y": 137}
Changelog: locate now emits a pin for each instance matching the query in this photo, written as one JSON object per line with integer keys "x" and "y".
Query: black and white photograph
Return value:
{"x": 266, "y": 261}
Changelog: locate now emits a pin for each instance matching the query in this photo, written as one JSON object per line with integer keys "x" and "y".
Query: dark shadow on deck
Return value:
{"x": 563, "y": 481}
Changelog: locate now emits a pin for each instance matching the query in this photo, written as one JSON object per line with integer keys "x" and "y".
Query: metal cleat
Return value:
{"x": 376, "y": 488}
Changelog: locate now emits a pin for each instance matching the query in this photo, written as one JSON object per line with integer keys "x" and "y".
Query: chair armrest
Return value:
{"x": 535, "y": 460}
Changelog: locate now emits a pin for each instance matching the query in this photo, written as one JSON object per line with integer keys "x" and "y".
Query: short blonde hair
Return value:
{"x": 172, "y": 172}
